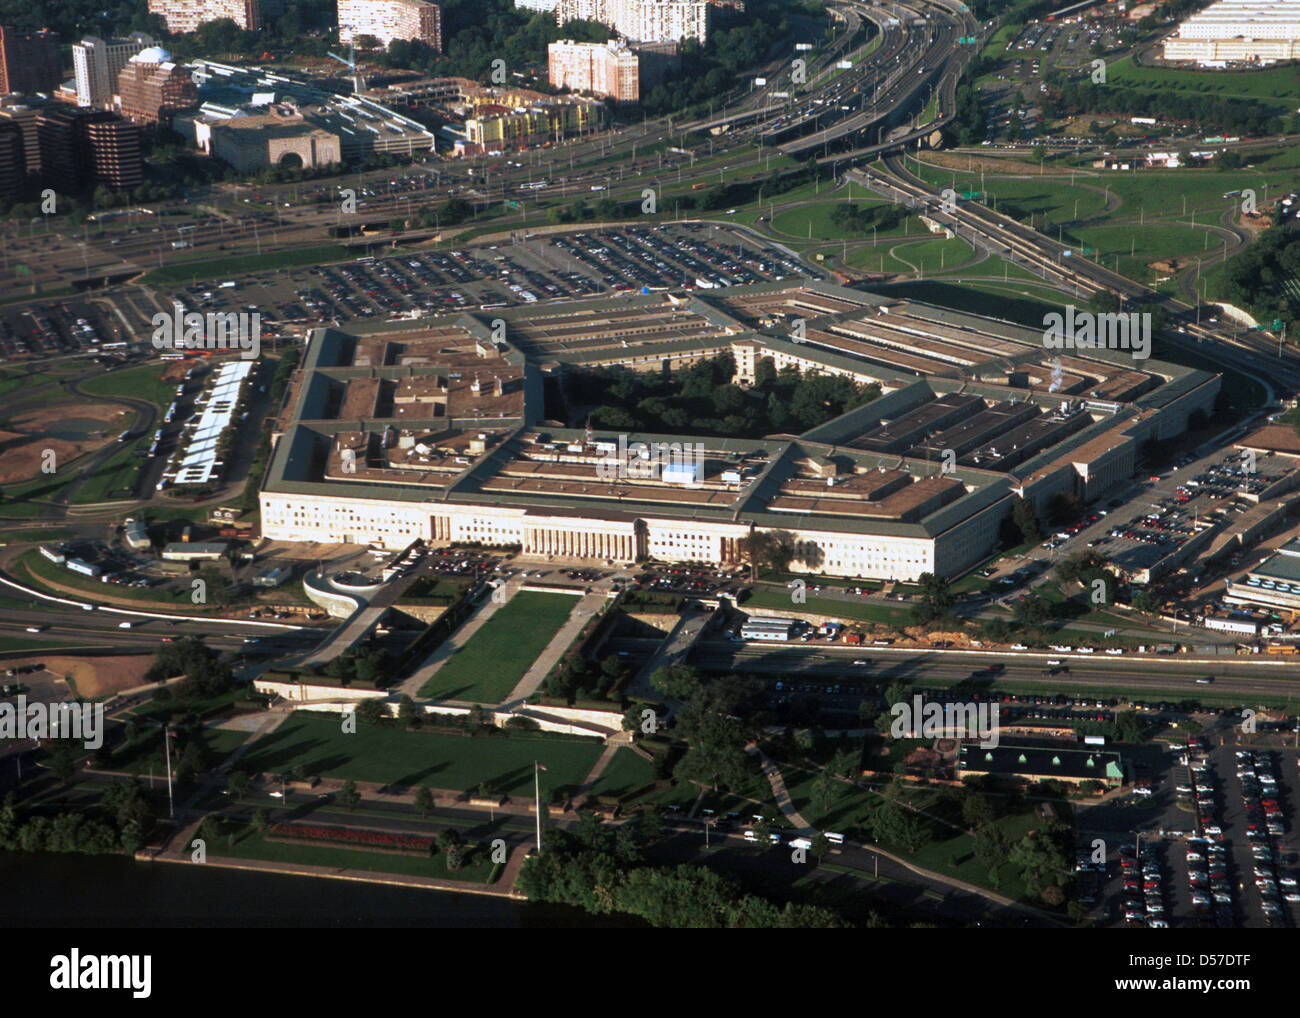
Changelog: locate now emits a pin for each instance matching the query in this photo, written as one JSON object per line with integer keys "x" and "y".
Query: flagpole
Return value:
{"x": 167, "y": 741}
{"x": 537, "y": 796}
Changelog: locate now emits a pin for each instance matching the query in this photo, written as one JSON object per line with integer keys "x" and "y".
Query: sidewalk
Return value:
{"x": 587, "y": 606}
{"x": 412, "y": 685}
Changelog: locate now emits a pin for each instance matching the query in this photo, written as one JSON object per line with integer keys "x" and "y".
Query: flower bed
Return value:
{"x": 350, "y": 837}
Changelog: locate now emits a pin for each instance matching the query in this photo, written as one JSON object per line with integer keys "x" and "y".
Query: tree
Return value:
{"x": 455, "y": 857}
{"x": 63, "y": 760}
{"x": 824, "y": 791}
{"x": 407, "y": 711}
{"x": 348, "y": 795}
{"x": 371, "y": 711}
{"x": 240, "y": 785}
{"x": 424, "y": 801}
{"x": 976, "y": 810}
{"x": 678, "y": 681}
{"x": 1026, "y": 521}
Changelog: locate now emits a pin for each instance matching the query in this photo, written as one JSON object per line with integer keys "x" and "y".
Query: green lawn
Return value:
{"x": 797, "y": 222}
{"x": 1273, "y": 85}
{"x": 439, "y": 760}
{"x": 928, "y": 256}
{"x": 245, "y": 263}
{"x": 19, "y": 643}
{"x": 858, "y": 610}
{"x": 626, "y": 773}
{"x": 496, "y": 657}
{"x": 947, "y": 851}
{"x": 116, "y": 479}
{"x": 477, "y": 869}
{"x": 45, "y": 574}
{"x": 142, "y": 382}
{"x": 148, "y": 753}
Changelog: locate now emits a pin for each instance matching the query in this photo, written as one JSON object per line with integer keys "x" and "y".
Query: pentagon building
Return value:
{"x": 436, "y": 431}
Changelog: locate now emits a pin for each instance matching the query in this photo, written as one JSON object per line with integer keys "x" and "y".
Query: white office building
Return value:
{"x": 1238, "y": 31}
{"x": 96, "y": 63}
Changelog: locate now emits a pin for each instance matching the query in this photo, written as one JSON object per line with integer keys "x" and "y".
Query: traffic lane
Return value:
{"x": 1144, "y": 673}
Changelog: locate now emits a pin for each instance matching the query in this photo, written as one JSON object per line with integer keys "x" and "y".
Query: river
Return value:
{"x": 56, "y": 890}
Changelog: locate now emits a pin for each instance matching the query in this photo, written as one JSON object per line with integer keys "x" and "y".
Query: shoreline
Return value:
{"x": 332, "y": 873}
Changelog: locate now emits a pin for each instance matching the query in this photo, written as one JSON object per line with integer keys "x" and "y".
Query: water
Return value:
{"x": 55, "y": 890}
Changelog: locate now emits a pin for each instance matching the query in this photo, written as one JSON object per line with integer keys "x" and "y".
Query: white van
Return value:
{"x": 125, "y": 625}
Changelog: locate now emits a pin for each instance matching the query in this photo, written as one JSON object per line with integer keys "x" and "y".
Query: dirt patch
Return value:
{"x": 990, "y": 164}
{"x": 93, "y": 677}
{"x": 27, "y": 440}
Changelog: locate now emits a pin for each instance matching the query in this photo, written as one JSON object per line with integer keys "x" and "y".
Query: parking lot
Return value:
{"x": 1218, "y": 847}
{"x": 680, "y": 256}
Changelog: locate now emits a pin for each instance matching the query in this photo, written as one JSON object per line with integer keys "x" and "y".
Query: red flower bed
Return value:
{"x": 352, "y": 836}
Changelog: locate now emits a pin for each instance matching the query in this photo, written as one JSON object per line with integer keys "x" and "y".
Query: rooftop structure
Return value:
{"x": 1238, "y": 31}
{"x": 400, "y": 433}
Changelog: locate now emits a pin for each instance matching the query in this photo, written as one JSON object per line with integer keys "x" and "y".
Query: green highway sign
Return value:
{"x": 972, "y": 194}
{"x": 512, "y": 205}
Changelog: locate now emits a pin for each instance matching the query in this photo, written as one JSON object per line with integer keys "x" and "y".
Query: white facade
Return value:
{"x": 394, "y": 524}
{"x": 1239, "y": 30}
{"x": 96, "y": 63}
{"x": 387, "y": 20}
{"x": 642, "y": 20}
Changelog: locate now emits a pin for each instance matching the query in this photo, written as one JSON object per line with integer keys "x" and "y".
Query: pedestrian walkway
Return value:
{"x": 587, "y": 606}
{"x": 779, "y": 792}
{"x": 612, "y": 746}
{"x": 488, "y": 607}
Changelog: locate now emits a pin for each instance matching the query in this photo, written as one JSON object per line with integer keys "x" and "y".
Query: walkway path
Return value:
{"x": 587, "y": 606}
{"x": 780, "y": 793}
{"x": 612, "y": 746}
{"x": 488, "y": 607}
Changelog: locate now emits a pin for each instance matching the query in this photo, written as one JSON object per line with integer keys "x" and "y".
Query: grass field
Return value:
{"x": 946, "y": 850}
{"x": 396, "y": 757}
{"x": 142, "y": 382}
{"x": 1277, "y": 85}
{"x": 148, "y": 753}
{"x": 478, "y": 868}
{"x": 858, "y": 610}
{"x": 496, "y": 657}
{"x": 934, "y": 254}
{"x": 241, "y": 264}
{"x": 31, "y": 565}
{"x": 1136, "y": 247}
{"x": 116, "y": 479}
{"x": 626, "y": 773}
{"x": 795, "y": 223}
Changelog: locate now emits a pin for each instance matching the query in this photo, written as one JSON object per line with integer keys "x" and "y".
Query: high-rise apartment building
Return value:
{"x": 187, "y": 15}
{"x": 642, "y": 20}
{"x": 386, "y": 20}
{"x": 96, "y": 63}
{"x": 29, "y": 61}
{"x": 151, "y": 88}
{"x": 600, "y": 68}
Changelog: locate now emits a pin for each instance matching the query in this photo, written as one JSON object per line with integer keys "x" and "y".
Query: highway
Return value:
{"x": 1171, "y": 677}
{"x": 1065, "y": 268}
